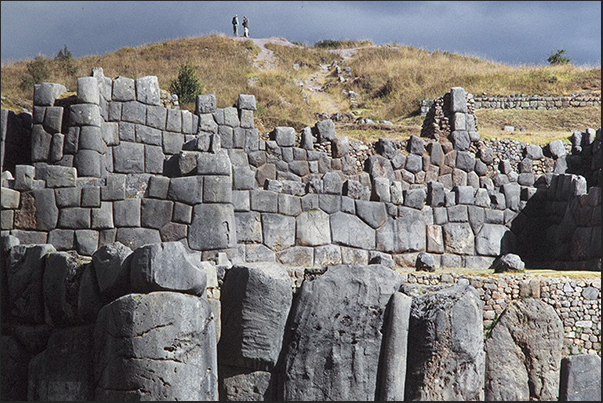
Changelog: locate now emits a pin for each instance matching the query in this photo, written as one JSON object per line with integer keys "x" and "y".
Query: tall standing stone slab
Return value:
{"x": 256, "y": 298}
{"x": 395, "y": 345}
{"x": 445, "y": 344}
{"x": 523, "y": 353}
{"x": 333, "y": 344}
{"x": 156, "y": 346}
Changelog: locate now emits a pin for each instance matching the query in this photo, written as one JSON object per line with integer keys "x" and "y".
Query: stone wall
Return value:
{"x": 523, "y": 101}
{"x": 129, "y": 170}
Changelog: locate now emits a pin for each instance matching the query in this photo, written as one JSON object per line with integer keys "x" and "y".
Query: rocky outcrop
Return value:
{"x": 333, "y": 340}
{"x": 523, "y": 353}
{"x": 445, "y": 344}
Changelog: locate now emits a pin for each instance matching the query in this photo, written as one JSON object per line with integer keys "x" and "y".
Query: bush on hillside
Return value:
{"x": 559, "y": 57}
{"x": 65, "y": 61}
{"x": 38, "y": 73}
{"x": 187, "y": 85}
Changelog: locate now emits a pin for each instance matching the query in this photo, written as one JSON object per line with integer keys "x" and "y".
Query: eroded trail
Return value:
{"x": 313, "y": 89}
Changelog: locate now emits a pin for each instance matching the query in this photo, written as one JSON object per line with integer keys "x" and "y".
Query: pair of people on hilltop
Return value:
{"x": 235, "y": 26}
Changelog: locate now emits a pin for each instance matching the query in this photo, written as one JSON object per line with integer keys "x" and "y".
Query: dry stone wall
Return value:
{"x": 117, "y": 188}
{"x": 132, "y": 171}
{"x": 524, "y": 101}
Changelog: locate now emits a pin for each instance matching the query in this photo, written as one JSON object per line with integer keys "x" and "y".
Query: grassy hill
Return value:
{"x": 390, "y": 81}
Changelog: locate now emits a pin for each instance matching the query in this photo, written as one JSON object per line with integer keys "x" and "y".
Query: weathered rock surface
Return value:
{"x": 334, "y": 337}
{"x": 166, "y": 266}
{"x": 445, "y": 344}
{"x": 157, "y": 346}
{"x": 580, "y": 378}
{"x": 256, "y": 299}
{"x": 523, "y": 353}
{"x": 64, "y": 371}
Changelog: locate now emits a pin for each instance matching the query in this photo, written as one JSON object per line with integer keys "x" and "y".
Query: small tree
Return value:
{"x": 38, "y": 73}
{"x": 559, "y": 57}
{"x": 65, "y": 60}
{"x": 187, "y": 85}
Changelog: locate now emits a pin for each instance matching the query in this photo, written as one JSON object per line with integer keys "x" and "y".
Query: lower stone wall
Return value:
{"x": 522, "y": 101}
{"x": 577, "y": 301}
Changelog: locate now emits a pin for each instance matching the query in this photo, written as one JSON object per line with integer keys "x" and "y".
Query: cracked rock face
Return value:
{"x": 445, "y": 344}
{"x": 156, "y": 346}
{"x": 334, "y": 337}
{"x": 524, "y": 353}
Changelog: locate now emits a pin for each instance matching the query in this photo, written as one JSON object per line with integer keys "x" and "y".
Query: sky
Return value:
{"x": 511, "y": 32}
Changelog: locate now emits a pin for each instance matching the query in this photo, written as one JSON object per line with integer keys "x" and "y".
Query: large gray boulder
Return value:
{"x": 580, "y": 378}
{"x": 64, "y": 371}
{"x": 523, "y": 353}
{"x": 24, "y": 278}
{"x": 256, "y": 298}
{"x": 509, "y": 262}
{"x": 167, "y": 266}
{"x": 156, "y": 346}
{"x": 333, "y": 342}
{"x": 445, "y": 344}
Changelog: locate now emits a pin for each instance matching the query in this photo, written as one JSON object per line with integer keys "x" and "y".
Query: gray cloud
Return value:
{"x": 513, "y": 32}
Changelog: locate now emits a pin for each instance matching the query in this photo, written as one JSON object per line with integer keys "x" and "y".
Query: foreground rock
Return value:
{"x": 445, "y": 344}
{"x": 524, "y": 353}
{"x": 256, "y": 299}
{"x": 157, "y": 346}
{"x": 334, "y": 337}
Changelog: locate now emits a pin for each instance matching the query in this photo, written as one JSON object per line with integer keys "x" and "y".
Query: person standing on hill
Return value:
{"x": 246, "y": 27}
{"x": 235, "y": 25}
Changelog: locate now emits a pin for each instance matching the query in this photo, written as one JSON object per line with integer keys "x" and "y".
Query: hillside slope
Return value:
{"x": 295, "y": 84}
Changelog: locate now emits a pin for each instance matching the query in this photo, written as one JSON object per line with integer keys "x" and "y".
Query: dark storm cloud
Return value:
{"x": 513, "y": 32}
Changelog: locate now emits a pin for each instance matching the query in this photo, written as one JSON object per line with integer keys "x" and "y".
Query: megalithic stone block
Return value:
{"x": 147, "y": 90}
{"x": 445, "y": 319}
{"x": 87, "y": 90}
{"x": 160, "y": 345}
{"x": 395, "y": 345}
{"x": 458, "y": 102}
{"x": 167, "y": 266}
{"x": 332, "y": 348}
{"x": 213, "y": 227}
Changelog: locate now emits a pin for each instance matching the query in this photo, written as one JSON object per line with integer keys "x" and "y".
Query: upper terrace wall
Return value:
{"x": 523, "y": 101}
{"x": 114, "y": 164}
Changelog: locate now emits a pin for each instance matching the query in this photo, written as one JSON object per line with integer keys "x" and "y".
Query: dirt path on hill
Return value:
{"x": 313, "y": 85}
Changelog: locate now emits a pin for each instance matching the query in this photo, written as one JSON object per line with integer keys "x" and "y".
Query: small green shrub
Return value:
{"x": 187, "y": 85}
{"x": 559, "y": 57}
{"x": 65, "y": 61}
{"x": 38, "y": 73}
